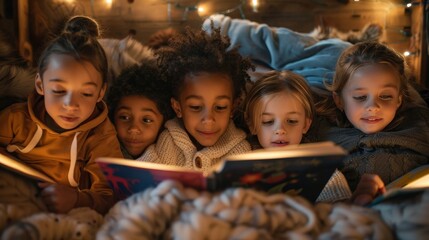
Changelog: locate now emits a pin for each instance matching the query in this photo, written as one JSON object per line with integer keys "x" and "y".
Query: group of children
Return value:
{"x": 65, "y": 125}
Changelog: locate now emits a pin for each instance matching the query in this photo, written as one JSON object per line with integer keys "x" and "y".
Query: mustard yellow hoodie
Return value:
{"x": 67, "y": 157}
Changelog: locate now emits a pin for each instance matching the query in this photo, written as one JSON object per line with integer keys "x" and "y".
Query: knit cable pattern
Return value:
{"x": 79, "y": 223}
{"x": 171, "y": 211}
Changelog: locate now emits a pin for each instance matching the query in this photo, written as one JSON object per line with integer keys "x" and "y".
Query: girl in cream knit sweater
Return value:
{"x": 206, "y": 79}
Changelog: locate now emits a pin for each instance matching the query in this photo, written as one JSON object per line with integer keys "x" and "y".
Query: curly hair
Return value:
{"x": 144, "y": 80}
{"x": 198, "y": 51}
{"x": 160, "y": 38}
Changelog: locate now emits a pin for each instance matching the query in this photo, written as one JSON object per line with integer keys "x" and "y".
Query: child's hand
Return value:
{"x": 58, "y": 198}
{"x": 369, "y": 186}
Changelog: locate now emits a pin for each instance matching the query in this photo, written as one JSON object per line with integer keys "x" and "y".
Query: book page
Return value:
{"x": 301, "y": 150}
{"x": 419, "y": 183}
{"x": 15, "y": 165}
{"x": 409, "y": 178}
{"x": 415, "y": 181}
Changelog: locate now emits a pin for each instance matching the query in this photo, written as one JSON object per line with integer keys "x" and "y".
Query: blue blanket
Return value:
{"x": 282, "y": 48}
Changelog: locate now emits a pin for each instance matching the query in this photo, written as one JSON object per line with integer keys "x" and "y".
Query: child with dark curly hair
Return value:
{"x": 139, "y": 105}
{"x": 206, "y": 78}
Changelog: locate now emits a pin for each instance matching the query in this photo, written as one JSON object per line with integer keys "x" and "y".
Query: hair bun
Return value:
{"x": 82, "y": 24}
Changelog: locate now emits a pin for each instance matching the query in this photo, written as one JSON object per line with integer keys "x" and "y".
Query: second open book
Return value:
{"x": 11, "y": 163}
{"x": 412, "y": 183}
{"x": 300, "y": 169}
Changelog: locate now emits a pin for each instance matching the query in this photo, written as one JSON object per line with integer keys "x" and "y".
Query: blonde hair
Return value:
{"x": 271, "y": 85}
{"x": 354, "y": 58}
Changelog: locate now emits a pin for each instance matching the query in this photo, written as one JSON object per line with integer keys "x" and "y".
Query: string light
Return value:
{"x": 255, "y": 5}
{"x": 412, "y": 3}
{"x": 201, "y": 11}
{"x": 408, "y": 53}
{"x": 108, "y": 3}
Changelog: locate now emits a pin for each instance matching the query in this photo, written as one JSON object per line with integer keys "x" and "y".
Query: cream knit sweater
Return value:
{"x": 174, "y": 147}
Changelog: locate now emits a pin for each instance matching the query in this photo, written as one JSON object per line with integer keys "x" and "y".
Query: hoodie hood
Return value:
{"x": 37, "y": 111}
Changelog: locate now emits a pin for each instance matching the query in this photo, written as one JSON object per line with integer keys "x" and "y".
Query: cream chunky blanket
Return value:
{"x": 171, "y": 211}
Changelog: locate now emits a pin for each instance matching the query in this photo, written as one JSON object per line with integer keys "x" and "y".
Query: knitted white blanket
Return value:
{"x": 171, "y": 211}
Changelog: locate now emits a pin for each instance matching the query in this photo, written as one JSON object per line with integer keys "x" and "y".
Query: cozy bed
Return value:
{"x": 171, "y": 211}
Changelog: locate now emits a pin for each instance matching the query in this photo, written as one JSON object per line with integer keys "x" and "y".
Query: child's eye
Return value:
{"x": 292, "y": 121}
{"x": 267, "y": 122}
{"x": 58, "y": 91}
{"x": 195, "y": 108}
{"x": 360, "y": 98}
{"x": 147, "y": 120}
{"x": 386, "y": 97}
{"x": 123, "y": 118}
{"x": 87, "y": 94}
{"x": 221, "y": 108}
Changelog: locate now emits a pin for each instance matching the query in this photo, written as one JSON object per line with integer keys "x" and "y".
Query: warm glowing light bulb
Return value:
{"x": 255, "y": 5}
{"x": 356, "y": 0}
{"x": 201, "y": 10}
{"x": 108, "y": 2}
{"x": 407, "y": 53}
{"x": 409, "y": 5}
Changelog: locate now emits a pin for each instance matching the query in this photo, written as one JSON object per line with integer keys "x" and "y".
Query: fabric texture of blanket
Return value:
{"x": 171, "y": 211}
{"x": 281, "y": 48}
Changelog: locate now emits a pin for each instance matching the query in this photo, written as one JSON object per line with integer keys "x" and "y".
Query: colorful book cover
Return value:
{"x": 300, "y": 170}
{"x": 129, "y": 176}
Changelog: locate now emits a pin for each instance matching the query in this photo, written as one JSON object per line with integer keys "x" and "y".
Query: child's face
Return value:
{"x": 283, "y": 121}
{"x": 370, "y": 98}
{"x": 71, "y": 89}
{"x": 205, "y": 104}
{"x": 137, "y": 121}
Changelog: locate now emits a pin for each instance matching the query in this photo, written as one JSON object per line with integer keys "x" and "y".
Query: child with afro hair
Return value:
{"x": 139, "y": 105}
{"x": 206, "y": 79}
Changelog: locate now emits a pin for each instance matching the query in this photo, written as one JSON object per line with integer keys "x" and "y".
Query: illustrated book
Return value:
{"x": 10, "y": 163}
{"x": 413, "y": 182}
{"x": 300, "y": 169}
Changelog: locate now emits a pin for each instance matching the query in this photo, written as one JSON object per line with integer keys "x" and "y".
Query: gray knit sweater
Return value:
{"x": 174, "y": 147}
{"x": 390, "y": 154}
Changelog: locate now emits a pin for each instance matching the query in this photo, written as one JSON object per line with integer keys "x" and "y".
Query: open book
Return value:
{"x": 11, "y": 163}
{"x": 414, "y": 182}
{"x": 300, "y": 169}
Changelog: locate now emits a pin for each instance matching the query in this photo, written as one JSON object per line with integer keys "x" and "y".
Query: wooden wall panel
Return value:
{"x": 149, "y": 16}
